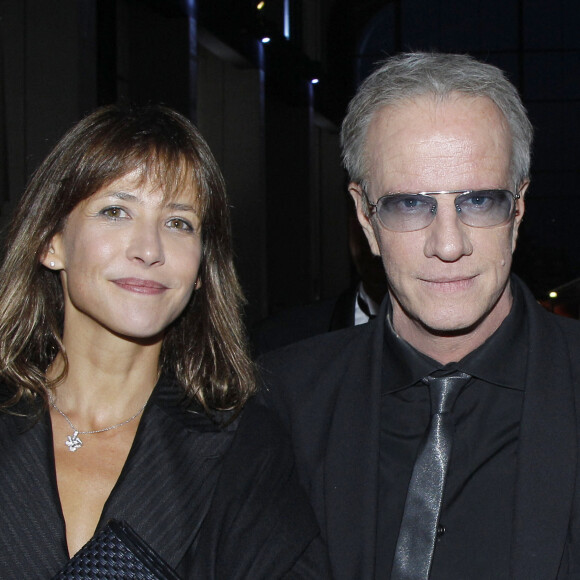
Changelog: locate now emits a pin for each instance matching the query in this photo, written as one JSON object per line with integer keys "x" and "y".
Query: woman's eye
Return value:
{"x": 180, "y": 224}
{"x": 114, "y": 212}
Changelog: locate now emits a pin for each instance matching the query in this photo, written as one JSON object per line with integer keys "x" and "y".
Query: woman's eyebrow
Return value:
{"x": 173, "y": 205}
{"x": 180, "y": 206}
{"x": 125, "y": 196}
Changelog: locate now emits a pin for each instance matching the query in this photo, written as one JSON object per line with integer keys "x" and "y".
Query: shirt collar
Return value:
{"x": 365, "y": 308}
{"x": 500, "y": 360}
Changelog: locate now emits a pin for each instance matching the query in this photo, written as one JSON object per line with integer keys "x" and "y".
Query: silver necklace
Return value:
{"x": 73, "y": 442}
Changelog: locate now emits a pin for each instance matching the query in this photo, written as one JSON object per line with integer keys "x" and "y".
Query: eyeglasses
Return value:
{"x": 409, "y": 212}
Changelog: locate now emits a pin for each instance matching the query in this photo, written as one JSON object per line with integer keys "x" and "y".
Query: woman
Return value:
{"x": 124, "y": 368}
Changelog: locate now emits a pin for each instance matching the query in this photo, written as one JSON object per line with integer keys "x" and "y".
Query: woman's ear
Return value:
{"x": 52, "y": 256}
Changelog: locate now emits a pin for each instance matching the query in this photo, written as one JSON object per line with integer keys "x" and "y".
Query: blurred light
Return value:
{"x": 190, "y": 6}
{"x": 287, "y": 19}
{"x": 260, "y": 5}
{"x": 553, "y": 294}
{"x": 265, "y": 39}
{"x": 315, "y": 81}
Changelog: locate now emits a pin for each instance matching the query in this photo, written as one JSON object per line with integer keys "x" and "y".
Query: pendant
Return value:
{"x": 73, "y": 442}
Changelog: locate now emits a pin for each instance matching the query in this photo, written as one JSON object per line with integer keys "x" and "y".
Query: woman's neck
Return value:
{"x": 105, "y": 385}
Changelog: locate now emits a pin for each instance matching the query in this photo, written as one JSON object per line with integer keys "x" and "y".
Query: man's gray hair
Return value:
{"x": 405, "y": 76}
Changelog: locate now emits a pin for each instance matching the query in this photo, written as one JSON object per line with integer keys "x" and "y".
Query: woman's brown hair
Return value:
{"x": 205, "y": 348}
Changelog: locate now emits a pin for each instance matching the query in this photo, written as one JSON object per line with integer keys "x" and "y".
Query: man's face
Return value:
{"x": 448, "y": 278}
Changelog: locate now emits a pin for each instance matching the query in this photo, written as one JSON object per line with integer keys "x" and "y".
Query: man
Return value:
{"x": 438, "y": 151}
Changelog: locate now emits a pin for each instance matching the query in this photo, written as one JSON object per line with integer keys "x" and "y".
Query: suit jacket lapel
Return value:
{"x": 166, "y": 485}
{"x": 33, "y": 535}
{"x": 547, "y": 453}
{"x": 351, "y": 477}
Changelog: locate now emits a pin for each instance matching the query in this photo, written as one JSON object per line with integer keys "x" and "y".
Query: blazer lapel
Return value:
{"x": 547, "y": 453}
{"x": 33, "y": 536}
{"x": 166, "y": 485}
{"x": 351, "y": 474}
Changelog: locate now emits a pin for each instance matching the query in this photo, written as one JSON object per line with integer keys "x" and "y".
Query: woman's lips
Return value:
{"x": 140, "y": 286}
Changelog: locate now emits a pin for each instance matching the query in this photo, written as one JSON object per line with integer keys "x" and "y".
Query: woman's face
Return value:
{"x": 129, "y": 259}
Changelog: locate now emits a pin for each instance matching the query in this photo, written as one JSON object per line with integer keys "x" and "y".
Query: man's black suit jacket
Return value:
{"x": 213, "y": 502}
{"x": 327, "y": 392}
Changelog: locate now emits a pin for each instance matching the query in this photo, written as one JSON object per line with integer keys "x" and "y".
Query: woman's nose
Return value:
{"x": 146, "y": 245}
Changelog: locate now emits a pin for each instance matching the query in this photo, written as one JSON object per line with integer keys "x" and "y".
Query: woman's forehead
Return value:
{"x": 178, "y": 188}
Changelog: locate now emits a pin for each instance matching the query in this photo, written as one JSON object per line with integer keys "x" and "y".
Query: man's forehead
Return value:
{"x": 428, "y": 138}
{"x": 434, "y": 106}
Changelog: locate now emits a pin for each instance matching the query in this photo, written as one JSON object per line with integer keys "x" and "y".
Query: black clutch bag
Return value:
{"x": 116, "y": 551}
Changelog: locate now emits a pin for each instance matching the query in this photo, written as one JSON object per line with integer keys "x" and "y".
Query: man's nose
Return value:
{"x": 447, "y": 238}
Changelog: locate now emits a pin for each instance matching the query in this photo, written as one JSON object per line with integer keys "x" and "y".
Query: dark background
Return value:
{"x": 274, "y": 133}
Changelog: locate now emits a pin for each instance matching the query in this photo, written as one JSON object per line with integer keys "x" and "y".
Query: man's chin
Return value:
{"x": 444, "y": 318}
{"x": 455, "y": 324}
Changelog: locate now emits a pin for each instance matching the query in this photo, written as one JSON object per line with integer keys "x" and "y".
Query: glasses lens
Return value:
{"x": 483, "y": 209}
{"x": 402, "y": 212}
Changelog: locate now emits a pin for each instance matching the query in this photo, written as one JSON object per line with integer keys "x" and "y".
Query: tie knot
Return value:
{"x": 444, "y": 390}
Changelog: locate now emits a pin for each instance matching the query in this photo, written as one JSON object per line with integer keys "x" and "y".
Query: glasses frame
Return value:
{"x": 374, "y": 206}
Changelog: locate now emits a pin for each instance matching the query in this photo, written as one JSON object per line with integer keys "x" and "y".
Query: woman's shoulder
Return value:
{"x": 21, "y": 414}
{"x": 172, "y": 399}
{"x": 258, "y": 427}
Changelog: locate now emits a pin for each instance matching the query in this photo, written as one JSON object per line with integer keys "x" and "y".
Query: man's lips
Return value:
{"x": 140, "y": 286}
{"x": 449, "y": 283}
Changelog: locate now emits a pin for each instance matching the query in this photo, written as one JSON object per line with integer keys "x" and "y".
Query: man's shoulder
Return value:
{"x": 320, "y": 350}
{"x": 544, "y": 325}
{"x": 569, "y": 327}
{"x": 571, "y": 330}
{"x": 310, "y": 374}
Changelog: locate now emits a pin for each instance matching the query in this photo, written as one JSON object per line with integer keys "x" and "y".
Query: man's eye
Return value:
{"x": 407, "y": 204}
{"x": 478, "y": 202}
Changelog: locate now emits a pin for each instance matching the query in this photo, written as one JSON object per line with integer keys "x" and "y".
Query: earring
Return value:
{"x": 52, "y": 264}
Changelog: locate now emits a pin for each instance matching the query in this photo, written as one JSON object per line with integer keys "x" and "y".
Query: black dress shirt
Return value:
{"x": 477, "y": 510}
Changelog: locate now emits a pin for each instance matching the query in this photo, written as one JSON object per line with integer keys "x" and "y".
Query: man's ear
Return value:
{"x": 52, "y": 257}
{"x": 357, "y": 195}
{"x": 520, "y": 208}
